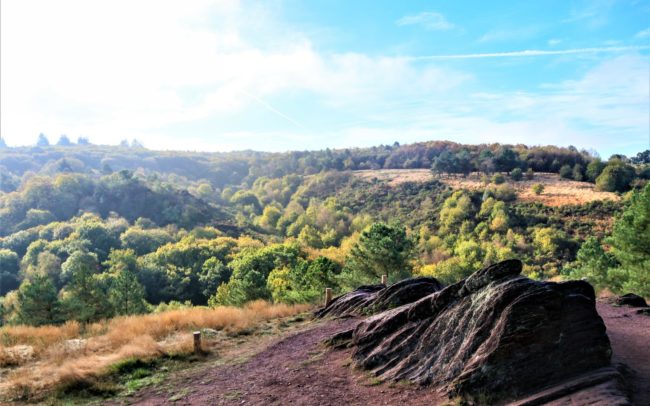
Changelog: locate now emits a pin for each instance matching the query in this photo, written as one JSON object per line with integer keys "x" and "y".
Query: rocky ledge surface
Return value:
{"x": 494, "y": 337}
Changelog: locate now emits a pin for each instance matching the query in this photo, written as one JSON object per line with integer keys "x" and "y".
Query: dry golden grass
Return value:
{"x": 69, "y": 354}
{"x": 396, "y": 176}
{"x": 557, "y": 191}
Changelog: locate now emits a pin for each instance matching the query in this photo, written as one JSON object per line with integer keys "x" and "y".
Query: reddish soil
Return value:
{"x": 299, "y": 370}
{"x": 629, "y": 334}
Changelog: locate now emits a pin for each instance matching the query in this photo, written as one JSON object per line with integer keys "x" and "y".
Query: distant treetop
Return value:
{"x": 64, "y": 141}
{"x": 42, "y": 141}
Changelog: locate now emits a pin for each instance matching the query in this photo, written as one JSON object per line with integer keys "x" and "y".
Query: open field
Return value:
{"x": 37, "y": 362}
{"x": 557, "y": 191}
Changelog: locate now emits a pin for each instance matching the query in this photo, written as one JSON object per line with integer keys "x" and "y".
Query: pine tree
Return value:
{"x": 382, "y": 250}
{"x": 127, "y": 294}
{"x": 631, "y": 243}
{"x": 37, "y": 301}
{"x": 85, "y": 295}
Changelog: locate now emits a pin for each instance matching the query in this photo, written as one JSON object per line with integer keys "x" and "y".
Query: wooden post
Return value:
{"x": 328, "y": 296}
{"x": 197, "y": 342}
{"x": 384, "y": 279}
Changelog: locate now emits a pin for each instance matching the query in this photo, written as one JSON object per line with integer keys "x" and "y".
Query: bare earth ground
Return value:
{"x": 629, "y": 334}
{"x": 557, "y": 191}
{"x": 298, "y": 370}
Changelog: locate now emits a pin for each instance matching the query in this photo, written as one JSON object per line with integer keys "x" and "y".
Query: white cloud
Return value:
{"x": 554, "y": 41}
{"x": 127, "y": 68}
{"x": 429, "y": 20}
{"x": 592, "y": 13}
{"x": 535, "y": 52}
{"x": 515, "y": 34}
{"x": 643, "y": 34}
{"x": 136, "y": 69}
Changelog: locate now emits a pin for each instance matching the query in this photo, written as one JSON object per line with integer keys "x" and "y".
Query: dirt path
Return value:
{"x": 295, "y": 371}
{"x": 298, "y": 370}
{"x": 629, "y": 334}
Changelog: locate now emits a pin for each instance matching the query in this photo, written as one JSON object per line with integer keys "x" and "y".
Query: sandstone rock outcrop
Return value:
{"x": 372, "y": 299}
{"x": 492, "y": 337}
{"x": 631, "y": 300}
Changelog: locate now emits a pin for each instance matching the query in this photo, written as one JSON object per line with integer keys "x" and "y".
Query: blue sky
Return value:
{"x": 285, "y": 75}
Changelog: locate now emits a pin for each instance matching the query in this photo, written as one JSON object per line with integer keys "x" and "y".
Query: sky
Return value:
{"x": 285, "y": 75}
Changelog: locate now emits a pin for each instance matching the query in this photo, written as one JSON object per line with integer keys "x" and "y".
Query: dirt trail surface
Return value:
{"x": 299, "y": 370}
{"x": 629, "y": 335}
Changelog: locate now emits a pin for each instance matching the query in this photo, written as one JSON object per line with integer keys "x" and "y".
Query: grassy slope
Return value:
{"x": 117, "y": 356}
{"x": 557, "y": 191}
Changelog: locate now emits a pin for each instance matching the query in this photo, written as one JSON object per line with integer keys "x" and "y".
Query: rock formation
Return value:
{"x": 631, "y": 300}
{"x": 493, "y": 336}
{"x": 370, "y": 299}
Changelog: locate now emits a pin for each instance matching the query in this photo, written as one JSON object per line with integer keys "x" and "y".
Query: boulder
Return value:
{"x": 494, "y": 336}
{"x": 631, "y": 300}
{"x": 372, "y": 299}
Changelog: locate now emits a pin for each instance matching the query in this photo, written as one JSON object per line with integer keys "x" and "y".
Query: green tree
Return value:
{"x": 594, "y": 169}
{"x": 85, "y": 298}
{"x": 213, "y": 274}
{"x": 592, "y": 263}
{"x": 616, "y": 177}
{"x": 566, "y": 172}
{"x": 382, "y": 250}
{"x": 37, "y": 302}
{"x": 8, "y": 271}
{"x": 630, "y": 242}
{"x": 251, "y": 269}
{"x": 577, "y": 172}
{"x": 127, "y": 294}
{"x": 516, "y": 174}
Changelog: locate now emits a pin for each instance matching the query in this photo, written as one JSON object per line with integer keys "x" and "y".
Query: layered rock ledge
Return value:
{"x": 493, "y": 337}
{"x": 372, "y": 299}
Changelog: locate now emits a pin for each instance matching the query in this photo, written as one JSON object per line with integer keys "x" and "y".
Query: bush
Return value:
{"x": 577, "y": 173}
{"x": 537, "y": 188}
{"x": 498, "y": 179}
{"x": 530, "y": 174}
{"x": 516, "y": 174}
{"x": 616, "y": 177}
{"x": 566, "y": 172}
{"x": 504, "y": 193}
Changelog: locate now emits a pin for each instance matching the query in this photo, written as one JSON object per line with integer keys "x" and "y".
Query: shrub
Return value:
{"x": 537, "y": 188}
{"x": 530, "y": 174}
{"x": 516, "y": 174}
{"x": 616, "y": 177}
{"x": 498, "y": 179}
{"x": 566, "y": 172}
{"x": 577, "y": 173}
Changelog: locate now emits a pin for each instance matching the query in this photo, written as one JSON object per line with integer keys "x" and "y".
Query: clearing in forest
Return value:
{"x": 557, "y": 191}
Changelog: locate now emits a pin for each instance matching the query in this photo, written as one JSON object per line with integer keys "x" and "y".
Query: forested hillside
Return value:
{"x": 89, "y": 232}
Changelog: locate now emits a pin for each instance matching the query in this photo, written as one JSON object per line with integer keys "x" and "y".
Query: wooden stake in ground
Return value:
{"x": 197, "y": 342}
{"x": 384, "y": 279}
{"x": 328, "y": 296}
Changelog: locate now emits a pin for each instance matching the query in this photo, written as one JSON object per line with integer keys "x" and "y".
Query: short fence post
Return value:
{"x": 328, "y": 296}
{"x": 384, "y": 279}
{"x": 197, "y": 342}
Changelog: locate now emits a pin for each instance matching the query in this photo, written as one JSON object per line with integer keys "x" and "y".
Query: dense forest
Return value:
{"x": 89, "y": 232}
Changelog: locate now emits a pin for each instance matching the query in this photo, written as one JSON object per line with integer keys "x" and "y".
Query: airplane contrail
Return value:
{"x": 530, "y": 52}
{"x": 271, "y": 108}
